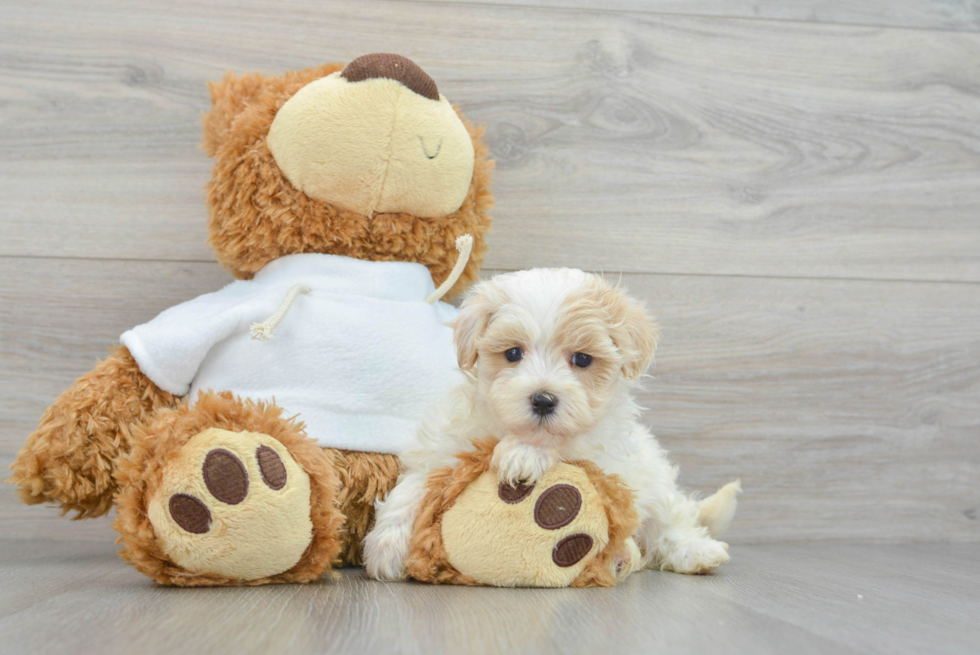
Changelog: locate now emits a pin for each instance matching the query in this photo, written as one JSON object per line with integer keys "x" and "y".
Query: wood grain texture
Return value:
{"x": 624, "y": 141}
{"x": 956, "y": 15}
{"x": 848, "y": 408}
{"x": 829, "y": 598}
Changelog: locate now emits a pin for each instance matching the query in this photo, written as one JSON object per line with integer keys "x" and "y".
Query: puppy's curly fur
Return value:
{"x": 520, "y": 335}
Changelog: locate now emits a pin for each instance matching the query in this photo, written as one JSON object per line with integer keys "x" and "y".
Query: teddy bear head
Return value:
{"x": 367, "y": 161}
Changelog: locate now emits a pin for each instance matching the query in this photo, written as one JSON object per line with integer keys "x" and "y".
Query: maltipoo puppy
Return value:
{"x": 551, "y": 358}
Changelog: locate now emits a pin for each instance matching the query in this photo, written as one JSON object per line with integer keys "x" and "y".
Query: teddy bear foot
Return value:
{"x": 228, "y": 504}
{"x": 570, "y": 529}
{"x": 234, "y": 504}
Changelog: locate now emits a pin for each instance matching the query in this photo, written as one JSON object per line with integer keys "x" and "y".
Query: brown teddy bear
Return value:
{"x": 244, "y": 436}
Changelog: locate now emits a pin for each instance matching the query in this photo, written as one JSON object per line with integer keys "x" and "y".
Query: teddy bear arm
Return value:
{"x": 70, "y": 458}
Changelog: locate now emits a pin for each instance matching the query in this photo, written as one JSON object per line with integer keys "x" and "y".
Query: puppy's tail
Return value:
{"x": 717, "y": 511}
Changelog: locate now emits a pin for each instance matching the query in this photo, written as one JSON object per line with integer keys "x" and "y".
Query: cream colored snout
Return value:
{"x": 373, "y": 146}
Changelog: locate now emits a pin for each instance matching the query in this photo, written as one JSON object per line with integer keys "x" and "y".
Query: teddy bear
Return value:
{"x": 243, "y": 437}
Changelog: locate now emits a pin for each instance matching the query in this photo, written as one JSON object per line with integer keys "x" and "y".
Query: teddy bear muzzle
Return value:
{"x": 376, "y": 137}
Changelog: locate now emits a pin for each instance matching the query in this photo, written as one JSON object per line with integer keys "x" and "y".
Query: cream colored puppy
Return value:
{"x": 551, "y": 358}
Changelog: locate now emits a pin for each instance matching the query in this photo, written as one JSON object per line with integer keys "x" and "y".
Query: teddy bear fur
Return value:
{"x": 95, "y": 446}
{"x": 109, "y": 439}
{"x": 159, "y": 441}
{"x": 256, "y": 215}
{"x": 71, "y": 457}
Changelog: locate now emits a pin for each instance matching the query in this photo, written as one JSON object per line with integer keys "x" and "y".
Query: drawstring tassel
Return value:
{"x": 263, "y": 331}
{"x": 464, "y": 245}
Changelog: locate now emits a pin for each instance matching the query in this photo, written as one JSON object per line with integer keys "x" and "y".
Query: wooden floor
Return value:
{"x": 793, "y": 187}
{"x": 62, "y": 597}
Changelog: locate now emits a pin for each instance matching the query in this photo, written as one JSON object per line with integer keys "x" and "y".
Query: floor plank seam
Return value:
{"x": 496, "y": 270}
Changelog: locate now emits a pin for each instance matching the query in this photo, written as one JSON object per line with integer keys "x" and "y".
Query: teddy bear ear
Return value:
{"x": 229, "y": 97}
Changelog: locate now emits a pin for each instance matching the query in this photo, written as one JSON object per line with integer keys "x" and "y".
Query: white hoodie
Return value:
{"x": 359, "y": 358}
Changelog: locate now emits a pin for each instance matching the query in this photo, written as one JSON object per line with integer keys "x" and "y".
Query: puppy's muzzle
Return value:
{"x": 543, "y": 403}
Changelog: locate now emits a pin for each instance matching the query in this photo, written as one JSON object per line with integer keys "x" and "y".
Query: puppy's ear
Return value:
{"x": 474, "y": 316}
{"x": 633, "y": 330}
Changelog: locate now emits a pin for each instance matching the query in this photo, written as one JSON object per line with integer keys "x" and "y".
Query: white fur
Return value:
{"x": 676, "y": 531}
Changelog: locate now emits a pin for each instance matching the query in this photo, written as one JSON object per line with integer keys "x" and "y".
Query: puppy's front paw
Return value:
{"x": 697, "y": 556}
{"x": 517, "y": 462}
{"x": 627, "y": 561}
{"x": 385, "y": 552}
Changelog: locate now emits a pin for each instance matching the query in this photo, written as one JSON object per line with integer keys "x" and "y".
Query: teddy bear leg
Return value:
{"x": 572, "y": 528}
{"x": 227, "y": 492}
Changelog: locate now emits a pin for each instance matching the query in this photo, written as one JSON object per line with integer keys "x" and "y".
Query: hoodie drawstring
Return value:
{"x": 464, "y": 245}
{"x": 263, "y": 331}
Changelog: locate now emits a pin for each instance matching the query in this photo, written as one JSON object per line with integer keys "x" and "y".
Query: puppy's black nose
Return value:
{"x": 543, "y": 403}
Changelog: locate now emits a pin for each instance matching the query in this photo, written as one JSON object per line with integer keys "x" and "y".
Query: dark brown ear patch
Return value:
{"x": 225, "y": 476}
{"x": 190, "y": 513}
{"x": 392, "y": 67}
{"x": 557, "y": 507}
{"x": 570, "y": 550}
{"x": 273, "y": 470}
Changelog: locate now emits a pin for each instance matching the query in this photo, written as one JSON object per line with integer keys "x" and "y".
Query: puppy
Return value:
{"x": 551, "y": 358}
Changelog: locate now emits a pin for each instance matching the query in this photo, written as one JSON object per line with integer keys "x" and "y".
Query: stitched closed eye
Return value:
{"x": 426, "y": 150}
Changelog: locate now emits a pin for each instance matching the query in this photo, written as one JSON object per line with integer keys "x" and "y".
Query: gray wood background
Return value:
{"x": 793, "y": 187}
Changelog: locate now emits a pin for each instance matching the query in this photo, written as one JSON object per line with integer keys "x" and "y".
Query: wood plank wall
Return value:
{"x": 793, "y": 188}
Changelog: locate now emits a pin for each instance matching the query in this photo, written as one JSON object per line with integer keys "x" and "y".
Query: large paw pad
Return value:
{"x": 555, "y": 508}
{"x": 233, "y": 504}
{"x": 540, "y": 535}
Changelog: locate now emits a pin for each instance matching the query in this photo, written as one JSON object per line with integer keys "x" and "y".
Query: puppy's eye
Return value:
{"x": 581, "y": 360}
{"x": 514, "y": 355}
